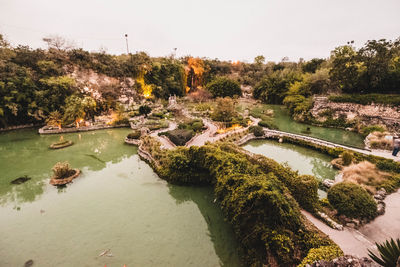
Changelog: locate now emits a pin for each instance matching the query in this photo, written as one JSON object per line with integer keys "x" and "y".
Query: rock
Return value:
{"x": 380, "y": 208}
{"x": 328, "y": 183}
{"x": 351, "y": 225}
{"x": 346, "y": 261}
{"x": 28, "y": 263}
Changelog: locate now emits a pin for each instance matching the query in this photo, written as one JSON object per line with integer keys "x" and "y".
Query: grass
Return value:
{"x": 378, "y": 140}
{"x": 365, "y": 174}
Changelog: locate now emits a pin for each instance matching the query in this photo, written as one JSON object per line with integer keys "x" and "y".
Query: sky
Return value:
{"x": 223, "y": 29}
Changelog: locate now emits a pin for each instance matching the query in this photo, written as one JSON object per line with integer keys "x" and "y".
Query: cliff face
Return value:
{"x": 365, "y": 114}
{"x": 100, "y": 85}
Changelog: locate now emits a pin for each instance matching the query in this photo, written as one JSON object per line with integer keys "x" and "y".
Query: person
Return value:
{"x": 396, "y": 145}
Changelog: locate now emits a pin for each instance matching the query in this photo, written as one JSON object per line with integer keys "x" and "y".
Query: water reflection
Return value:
{"x": 304, "y": 160}
{"x": 220, "y": 232}
{"x": 26, "y": 153}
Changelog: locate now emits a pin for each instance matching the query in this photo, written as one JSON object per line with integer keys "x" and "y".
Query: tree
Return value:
{"x": 259, "y": 60}
{"x": 312, "y": 65}
{"x": 58, "y": 42}
{"x": 144, "y": 110}
{"x": 223, "y": 86}
{"x": 166, "y": 77}
{"x": 224, "y": 110}
{"x": 54, "y": 119}
{"x": 74, "y": 110}
{"x": 273, "y": 88}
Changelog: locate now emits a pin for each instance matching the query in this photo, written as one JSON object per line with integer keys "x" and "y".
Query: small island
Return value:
{"x": 63, "y": 174}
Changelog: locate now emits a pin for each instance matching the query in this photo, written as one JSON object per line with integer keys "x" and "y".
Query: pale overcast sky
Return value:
{"x": 224, "y": 29}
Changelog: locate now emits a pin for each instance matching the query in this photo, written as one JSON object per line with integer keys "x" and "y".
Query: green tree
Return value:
{"x": 74, "y": 110}
{"x": 312, "y": 65}
{"x": 224, "y": 110}
{"x": 273, "y": 88}
{"x": 223, "y": 86}
{"x": 144, "y": 110}
{"x": 259, "y": 60}
{"x": 54, "y": 119}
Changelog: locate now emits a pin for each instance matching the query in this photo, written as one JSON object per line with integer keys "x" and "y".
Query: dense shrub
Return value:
{"x": 352, "y": 200}
{"x": 144, "y": 110}
{"x": 180, "y": 136}
{"x": 134, "y": 135}
{"x": 256, "y": 130}
{"x": 372, "y": 128}
{"x": 304, "y": 189}
{"x": 62, "y": 170}
{"x": 223, "y": 86}
{"x": 194, "y": 125}
{"x": 326, "y": 253}
{"x": 267, "y": 124}
{"x": 347, "y": 158}
{"x": 265, "y": 217}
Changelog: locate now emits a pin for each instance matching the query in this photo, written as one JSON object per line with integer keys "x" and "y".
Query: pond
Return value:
{"x": 284, "y": 122}
{"x": 301, "y": 159}
{"x": 117, "y": 203}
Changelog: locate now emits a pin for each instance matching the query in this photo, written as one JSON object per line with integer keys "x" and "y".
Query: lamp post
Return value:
{"x": 127, "y": 47}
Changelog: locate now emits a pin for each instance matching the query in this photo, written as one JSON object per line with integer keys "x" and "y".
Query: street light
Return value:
{"x": 127, "y": 47}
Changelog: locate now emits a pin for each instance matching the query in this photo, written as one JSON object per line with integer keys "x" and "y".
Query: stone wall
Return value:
{"x": 366, "y": 114}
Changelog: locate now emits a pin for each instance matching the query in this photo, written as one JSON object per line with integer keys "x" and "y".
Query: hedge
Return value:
{"x": 265, "y": 217}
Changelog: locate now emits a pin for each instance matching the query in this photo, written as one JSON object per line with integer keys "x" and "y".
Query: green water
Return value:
{"x": 303, "y": 160}
{"x": 117, "y": 203}
{"x": 285, "y": 123}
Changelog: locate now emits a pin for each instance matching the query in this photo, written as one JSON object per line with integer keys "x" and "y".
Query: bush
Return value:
{"x": 347, "y": 158}
{"x": 326, "y": 253}
{"x": 352, "y": 200}
{"x": 222, "y": 87}
{"x": 304, "y": 189}
{"x": 256, "y": 130}
{"x": 134, "y": 135}
{"x": 180, "y": 136}
{"x": 144, "y": 110}
{"x": 194, "y": 125}
{"x": 62, "y": 170}
{"x": 265, "y": 217}
{"x": 267, "y": 124}
{"x": 121, "y": 121}
{"x": 372, "y": 128}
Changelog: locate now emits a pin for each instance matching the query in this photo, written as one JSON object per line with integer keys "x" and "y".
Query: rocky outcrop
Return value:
{"x": 365, "y": 114}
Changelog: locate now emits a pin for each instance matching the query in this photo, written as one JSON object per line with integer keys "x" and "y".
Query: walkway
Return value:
{"x": 277, "y": 134}
{"x": 357, "y": 242}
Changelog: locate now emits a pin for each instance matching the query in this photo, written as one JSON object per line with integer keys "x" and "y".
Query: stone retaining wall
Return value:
{"x": 80, "y": 129}
{"x": 366, "y": 114}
